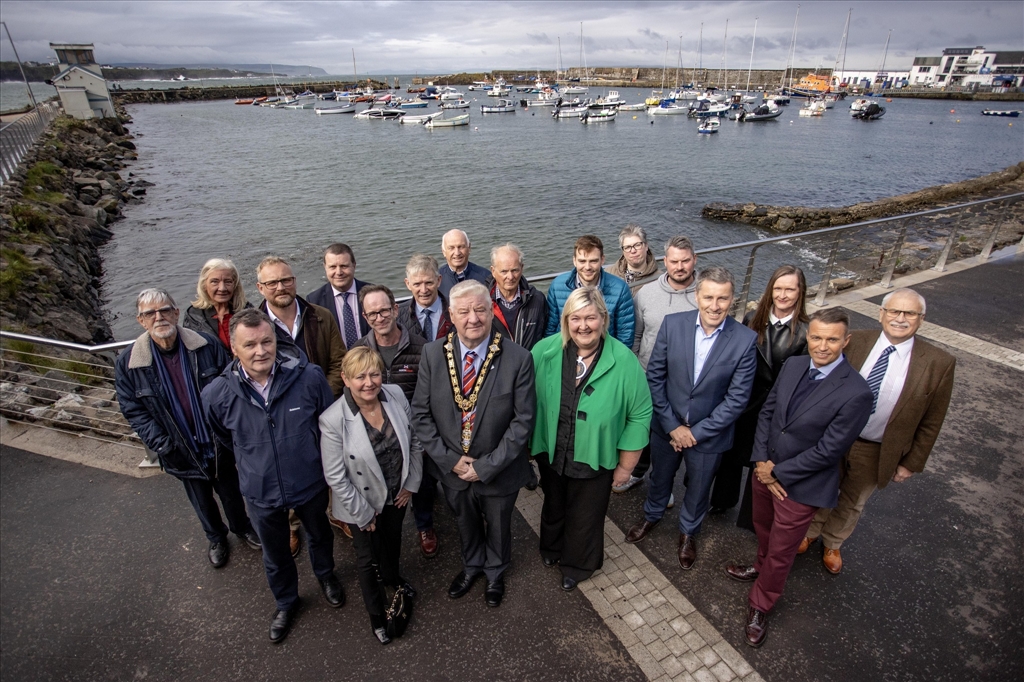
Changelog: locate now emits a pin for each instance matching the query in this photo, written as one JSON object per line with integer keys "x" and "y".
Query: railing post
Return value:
{"x": 741, "y": 303}
{"x": 991, "y": 242}
{"x": 894, "y": 256}
{"x": 819, "y": 298}
{"x": 940, "y": 266}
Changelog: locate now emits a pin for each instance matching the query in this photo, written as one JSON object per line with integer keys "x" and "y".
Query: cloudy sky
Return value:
{"x": 445, "y": 37}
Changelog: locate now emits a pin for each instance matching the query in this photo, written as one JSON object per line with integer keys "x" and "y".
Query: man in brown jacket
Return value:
{"x": 912, "y": 382}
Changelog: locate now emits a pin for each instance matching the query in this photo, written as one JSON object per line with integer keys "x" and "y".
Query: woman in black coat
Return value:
{"x": 219, "y": 295}
{"x": 781, "y": 325}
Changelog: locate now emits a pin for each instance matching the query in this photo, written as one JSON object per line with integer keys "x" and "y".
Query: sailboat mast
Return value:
{"x": 751, "y": 65}
{"x": 355, "y": 74}
{"x": 725, "y": 43}
{"x": 885, "y": 52}
{"x": 700, "y": 40}
{"x": 664, "y": 68}
{"x": 679, "y": 61}
{"x": 792, "y": 51}
{"x": 841, "y": 50}
{"x": 581, "y": 51}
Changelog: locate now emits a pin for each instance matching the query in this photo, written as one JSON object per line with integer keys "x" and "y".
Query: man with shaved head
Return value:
{"x": 455, "y": 249}
{"x": 911, "y": 382}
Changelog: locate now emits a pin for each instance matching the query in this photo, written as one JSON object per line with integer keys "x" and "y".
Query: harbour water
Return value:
{"x": 244, "y": 182}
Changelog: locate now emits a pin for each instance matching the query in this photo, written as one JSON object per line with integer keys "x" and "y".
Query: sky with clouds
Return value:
{"x": 449, "y": 37}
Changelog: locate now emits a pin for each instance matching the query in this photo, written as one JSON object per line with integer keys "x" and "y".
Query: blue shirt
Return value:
{"x": 435, "y": 315}
{"x": 827, "y": 369}
{"x": 702, "y": 345}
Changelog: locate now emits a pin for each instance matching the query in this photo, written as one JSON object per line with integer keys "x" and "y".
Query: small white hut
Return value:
{"x": 80, "y": 83}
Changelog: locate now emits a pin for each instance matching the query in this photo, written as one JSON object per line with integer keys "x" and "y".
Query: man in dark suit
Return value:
{"x": 341, "y": 293}
{"x": 474, "y": 410}
{"x": 701, "y": 372}
{"x": 426, "y": 313}
{"x": 810, "y": 418}
{"x": 455, "y": 248}
{"x": 911, "y": 384}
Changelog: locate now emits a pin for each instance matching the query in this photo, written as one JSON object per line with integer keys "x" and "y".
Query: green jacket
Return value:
{"x": 618, "y": 410}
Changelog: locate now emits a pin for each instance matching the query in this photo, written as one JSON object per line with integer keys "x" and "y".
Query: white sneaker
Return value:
{"x": 633, "y": 480}
{"x": 671, "y": 501}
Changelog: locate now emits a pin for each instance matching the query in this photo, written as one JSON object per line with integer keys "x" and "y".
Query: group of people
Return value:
{"x": 346, "y": 408}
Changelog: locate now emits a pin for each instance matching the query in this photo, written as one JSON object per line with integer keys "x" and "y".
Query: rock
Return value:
{"x": 70, "y": 400}
{"x": 784, "y": 224}
{"x": 84, "y": 181}
{"x": 71, "y": 324}
{"x": 841, "y": 283}
{"x": 109, "y": 204}
{"x": 71, "y": 421}
{"x": 38, "y": 412}
{"x": 15, "y": 397}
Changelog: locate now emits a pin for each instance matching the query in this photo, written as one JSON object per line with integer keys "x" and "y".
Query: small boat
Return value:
{"x": 765, "y": 112}
{"x": 344, "y": 109}
{"x": 259, "y": 100}
{"x": 639, "y": 106}
{"x": 420, "y": 119}
{"x": 499, "y": 89}
{"x": 858, "y": 105}
{"x": 871, "y": 112}
{"x": 568, "y": 111}
{"x": 811, "y": 85}
{"x": 379, "y": 114}
{"x": 705, "y": 108}
{"x": 440, "y": 122}
{"x": 669, "y": 107}
{"x": 815, "y": 107}
{"x": 455, "y": 104}
{"x": 416, "y": 103}
{"x": 449, "y": 93}
{"x": 502, "y": 106}
{"x": 709, "y": 125}
{"x": 576, "y": 90}
{"x": 598, "y": 116}
{"x": 609, "y": 101}
{"x": 831, "y": 99}
{"x": 780, "y": 99}
{"x": 245, "y": 101}
{"x": 1001, "y": 112}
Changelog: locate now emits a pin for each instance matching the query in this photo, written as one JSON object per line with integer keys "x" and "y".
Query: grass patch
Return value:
{"x": 47, "y": 176}
{"x": 27, "y": 353}
{"x": 12, "y": 275}
{"x": 30, "y": 220}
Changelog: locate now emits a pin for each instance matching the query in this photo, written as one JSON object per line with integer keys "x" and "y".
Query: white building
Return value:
{"x": 970, "y": 66}
{"x": 925, "y": 71}
{"x": 868, "y": 80}
{"x": 80, "y": 83}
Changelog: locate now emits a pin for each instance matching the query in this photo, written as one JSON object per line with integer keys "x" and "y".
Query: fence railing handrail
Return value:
{"x": 754, "y": 245}
{"x": 18, "y": 137}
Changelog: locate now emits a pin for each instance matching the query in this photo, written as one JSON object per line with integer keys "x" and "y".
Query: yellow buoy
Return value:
{"x": 634, "y": 118}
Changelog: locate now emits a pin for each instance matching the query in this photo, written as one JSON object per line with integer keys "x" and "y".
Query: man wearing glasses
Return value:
{"x": 400, "y": 349}
{"x": 911, "y": 382}
{"x": 159, "y": 380}
{"x": 297, "y": 322}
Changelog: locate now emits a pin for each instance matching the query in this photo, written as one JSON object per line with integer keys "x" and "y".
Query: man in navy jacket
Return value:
{"x": 267, "y": 410}
{"x": 701, "y": 372}
{"x": 341, "y": 293}
{"x": 809, "y": 421}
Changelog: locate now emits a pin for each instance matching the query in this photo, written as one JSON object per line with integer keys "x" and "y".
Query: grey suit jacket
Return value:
{"x": 505, "y": 414}
{"x": 358, "y": 491}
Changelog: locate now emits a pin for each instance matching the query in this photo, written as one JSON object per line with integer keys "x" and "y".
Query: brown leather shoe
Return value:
{"x": 294, "y": 543}
{"x": 744, "y": 574}
{"x": 687, "y": 551}
{"x": 757, "y": 627}
{"x": 640, "y": 531}
{"x": 428, "y": 542}
{"x": 805, "y": 545}
{"x": 833, "y": 561}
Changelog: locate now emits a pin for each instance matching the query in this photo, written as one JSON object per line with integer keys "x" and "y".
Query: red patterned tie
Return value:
{"x": 468, "y": 381}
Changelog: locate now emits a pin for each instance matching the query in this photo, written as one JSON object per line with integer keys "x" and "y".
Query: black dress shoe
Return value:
{"x": 333, "y": 593}
{"x": 757, "y": 627}
{"x": 382, "y": 635}
{"x": 252, "y": 540}
{"x": 218, "y": 554}
{"x": 687, "y": 551}
{"x": 494, "y": 592}
{"x": 640, "y": 531}
{"x": 461, "y": 585}
{"x": 568, "y": 584}
{"x": 718, "y": 511}
{"x": 549, "y": 561}
{"x": 282, "y": 623}
{"x": 741, "y": 573}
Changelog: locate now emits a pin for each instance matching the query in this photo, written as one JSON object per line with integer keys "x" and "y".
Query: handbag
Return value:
{"x": 398, "y": 608}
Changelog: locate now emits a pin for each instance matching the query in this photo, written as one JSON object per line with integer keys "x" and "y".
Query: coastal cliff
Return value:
{"x": 54, "y": 214}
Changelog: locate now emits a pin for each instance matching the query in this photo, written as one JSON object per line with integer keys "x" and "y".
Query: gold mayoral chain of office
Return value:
{"x": 468, "y": 404}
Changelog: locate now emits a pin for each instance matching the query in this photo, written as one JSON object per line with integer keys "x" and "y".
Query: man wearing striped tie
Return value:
{"x": 911, "y": 381}
{"x": 474, "y": 410}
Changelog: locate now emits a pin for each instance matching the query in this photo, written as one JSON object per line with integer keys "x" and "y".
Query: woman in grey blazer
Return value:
{"x": 373, "y": 464}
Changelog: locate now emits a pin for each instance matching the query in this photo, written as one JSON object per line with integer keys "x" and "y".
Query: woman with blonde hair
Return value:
{"x": 593, "y": 419}
{"x": 219, "y": 295}
{"x": 373, "y": 464}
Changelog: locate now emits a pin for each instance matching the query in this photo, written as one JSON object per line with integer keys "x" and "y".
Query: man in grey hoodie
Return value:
{"x": 673, "y": 292}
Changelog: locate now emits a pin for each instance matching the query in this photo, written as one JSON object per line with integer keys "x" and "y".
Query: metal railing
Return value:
{"x": 17, "y": 138}
{"x": 69, "y": 386}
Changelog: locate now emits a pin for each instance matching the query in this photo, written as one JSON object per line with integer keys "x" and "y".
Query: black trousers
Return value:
{"x": 272, "y": 526}
{"x": 225, "y": 484}
{"x": 423, "y": 501}
{"x": 383, "y": 547}
{"x": 572, "y": 520}
{"x": 726, "y": 492}
{"x": 485, "y": 530}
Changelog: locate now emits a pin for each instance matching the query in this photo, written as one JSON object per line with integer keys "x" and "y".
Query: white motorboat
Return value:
{"x": 815, "y": 107}
{"x": 576, "y": 90}
{"x": 609, "y": 101}
{"x": 345, "y": 109}
{"x": 502, "y": 106}
{"x": 639, "y": 106}
{"x": 544, "y": 99}
{"x": 765, "y": 112}
{"x": 707, "y": 108}
{"x": 858, "y": 105}
{"x": 668, "y": 108}
{"x": 569, "y": 111}
{"x": 499, "y": 89}
{"x": 598, "y": 116}
{"x": 871, "y": 112}
{"x": 415, "y": 103}
{"x": 440, "y": 122}
{"x": 455, "y": 104}
{"x": 448, "y": 93}
{"x": 780, "y": 99}
{"x": 378, "y": 114}
{"x": 709, "y": 125}
{"x": 419, "y": 119}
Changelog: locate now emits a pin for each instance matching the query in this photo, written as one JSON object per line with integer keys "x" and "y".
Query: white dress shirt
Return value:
{"x": 775, "y": 320}
{"x": 294, "y": 331}
{"x": 892, "y": 383}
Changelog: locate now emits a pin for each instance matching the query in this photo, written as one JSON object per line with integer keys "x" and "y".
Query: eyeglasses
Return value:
{"x": 282, "y": 283}
{"x": 634, "y": 247}
{"x": 163, "y": 312}
{"x": 382, "y": 313}
{"x": 908, "y": 314}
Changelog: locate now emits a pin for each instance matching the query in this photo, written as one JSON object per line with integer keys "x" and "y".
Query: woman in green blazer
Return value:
{"x": 593, "y": 419}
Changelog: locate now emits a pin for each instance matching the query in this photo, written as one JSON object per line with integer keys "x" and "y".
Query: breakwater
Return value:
{"x": 802, "y": 218}
{"x": 195, "y": 94}
{"x": 54, "y": 216}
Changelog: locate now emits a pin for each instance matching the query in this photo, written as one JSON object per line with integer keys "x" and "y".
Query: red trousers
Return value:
{"x": 780, "y": 526}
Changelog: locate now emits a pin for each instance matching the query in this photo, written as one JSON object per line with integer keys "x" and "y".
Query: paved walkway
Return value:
{"x": 104, "y": 576}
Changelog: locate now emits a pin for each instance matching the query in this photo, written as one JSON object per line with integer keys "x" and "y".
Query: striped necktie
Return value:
{"x": 877, "y": 374}
{"x": 468, "y": 382}
{"x": 351, "y": 333}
